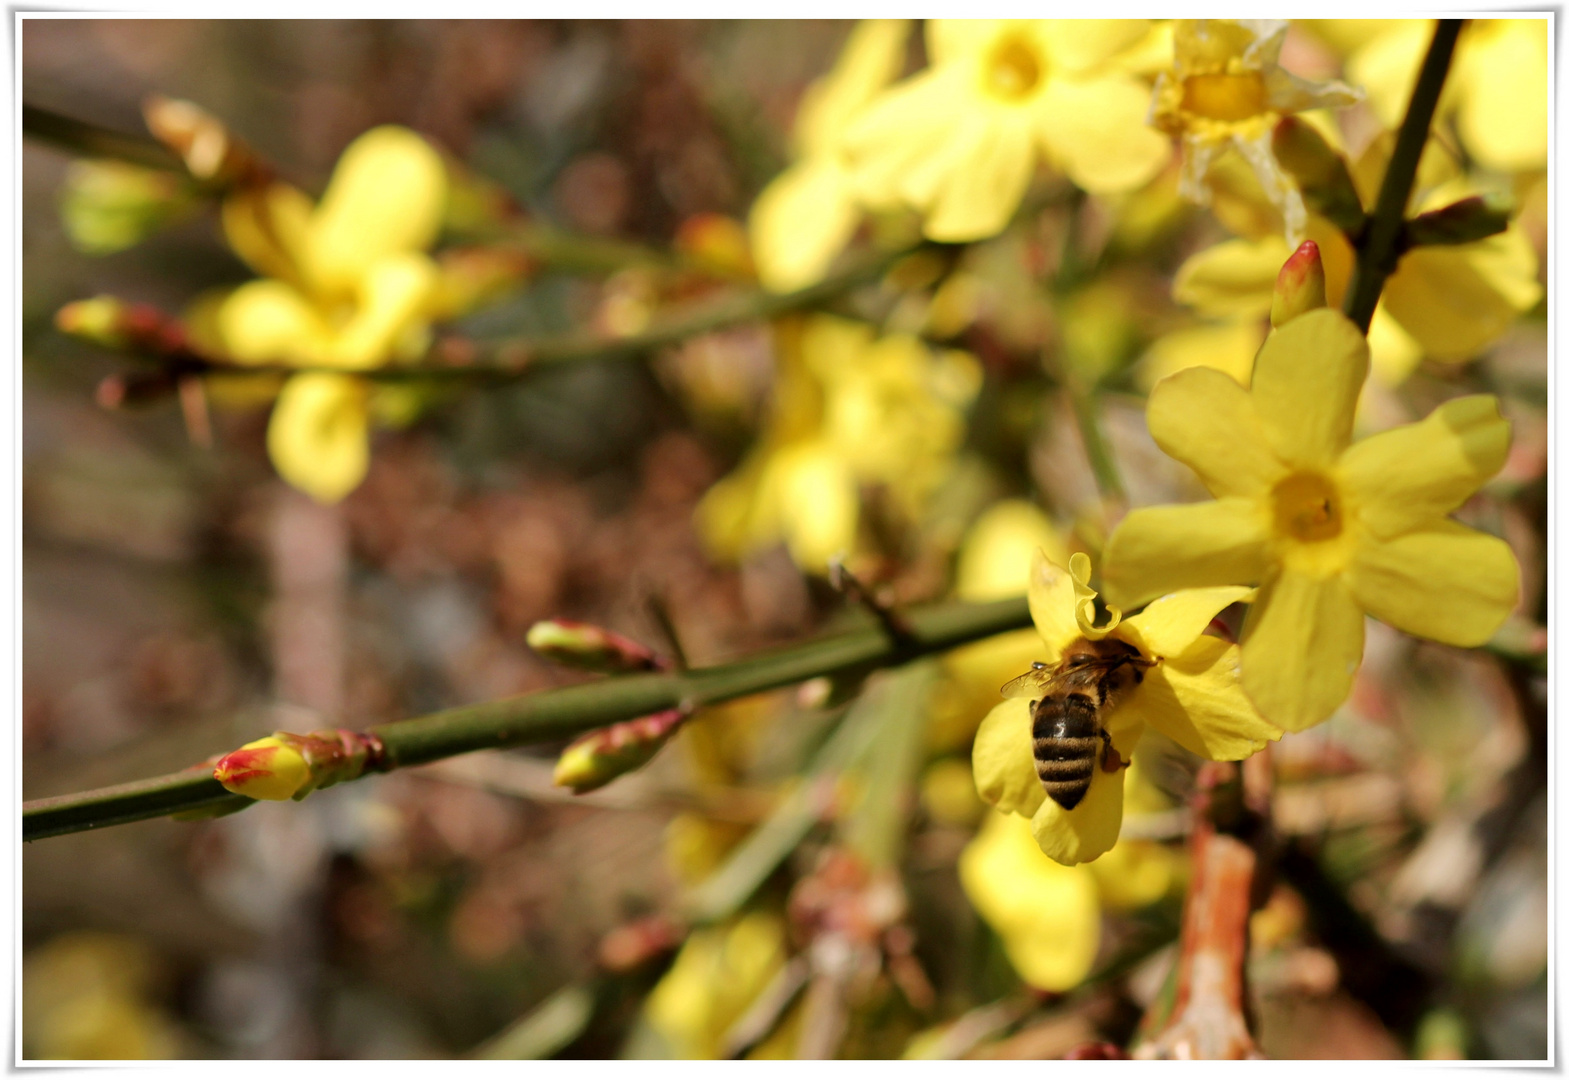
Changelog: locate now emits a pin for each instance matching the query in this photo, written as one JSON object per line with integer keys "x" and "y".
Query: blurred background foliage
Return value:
{"x": 179, "y": 600}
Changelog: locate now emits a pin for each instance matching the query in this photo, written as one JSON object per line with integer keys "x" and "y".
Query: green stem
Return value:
{"x": 89, "y": 140}
{"x": 557, "y": 714}
{"x": 1380, "y": 248}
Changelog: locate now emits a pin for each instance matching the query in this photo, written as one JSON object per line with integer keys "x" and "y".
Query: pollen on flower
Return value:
{"x": 1307, "y": 508}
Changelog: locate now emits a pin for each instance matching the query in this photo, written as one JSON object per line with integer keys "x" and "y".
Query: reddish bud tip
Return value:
{"x": 1299, "y": 288}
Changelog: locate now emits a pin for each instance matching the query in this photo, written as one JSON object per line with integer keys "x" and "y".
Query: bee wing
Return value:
{"x": 1030, "y": 684}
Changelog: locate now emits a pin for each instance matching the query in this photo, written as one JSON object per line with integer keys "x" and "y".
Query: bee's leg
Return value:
{"x": 1110, "y": 760}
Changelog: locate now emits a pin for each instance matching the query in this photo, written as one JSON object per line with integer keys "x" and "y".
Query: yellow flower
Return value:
{"x": 348, "y": 286}
{"x": 1496, "y": 92}
{"x": 1447, "y": 303}
{"x": 806, "y": 215}
{"x": 994, "y": 564}
{"x": 1226, "y": 89}
{"x": 960, "y": 140}
{"x": 715, "y": 977}
{"x": 849, "y": 409}
{"x": 1047, "y": 914}
{"x": 1327, "y": 529}
{"x": 1189, "y": 692}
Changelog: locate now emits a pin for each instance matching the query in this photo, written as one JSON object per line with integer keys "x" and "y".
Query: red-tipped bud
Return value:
{"x": 286, "y": 766}
{"x": 1299, "y": 288}
{"x": 584, "y": 645}
{"x": 1470, "y": 219}
{"x": 630, "y": 946}
{"x": 101, "y": 320}
{"x": 600, "y": 756}
{"x": 715, "y": 243}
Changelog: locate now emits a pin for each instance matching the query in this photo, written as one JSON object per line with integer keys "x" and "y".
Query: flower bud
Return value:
{"x": 1320, "y": 173}
{"x": 1473, "y": 218}
{"x": 584, "y": 645}
{"x": 600, "y": 756}
{"x": 265, "y": 769}
{"x": 202, "y": 142}
{"x": 1299, "y": 288}
{"x": 715, "y": 243}
{"x": 108, "y": 206}
{"x": 101, "y": 321}
{"x": 287, "y": 766}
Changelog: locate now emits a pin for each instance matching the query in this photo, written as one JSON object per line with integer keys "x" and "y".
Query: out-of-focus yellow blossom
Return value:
{"x": 1327, "y": 529}
{"x": 347, "y": 287}
{"x": 959, "y": 141}
{"x": 1496, "y": 90}
{"x": 994, "y": 564}
{"x": 806, "y": 215}
{"x": 1227, "y": 346}
{"x": 1447, "y": 303}
{"x": 1227, "y": 90}
{"x": 85, "y": 997}
{"x": 1190, "y": 693}
{"x": 1047, "y": 914}
{"x": 715, "y": 977}
{"x": 849, "y": 409}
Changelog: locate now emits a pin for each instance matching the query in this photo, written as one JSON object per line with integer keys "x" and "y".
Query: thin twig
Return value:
{"x": 555, "y": 714}
{"x": 1379, "y": 249}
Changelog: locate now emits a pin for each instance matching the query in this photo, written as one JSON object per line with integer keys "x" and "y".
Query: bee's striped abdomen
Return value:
{"x": 1067, "y": 744}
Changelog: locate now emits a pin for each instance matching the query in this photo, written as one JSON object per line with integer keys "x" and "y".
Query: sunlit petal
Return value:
{"x": 1205, "y": 420}
{"x": 1088, "y": 830}
{"x": 1004, "y": 760}
{"x": 1446, "y": 582}
{"x": 318, "y": 436}
{"x": 1196, "y": 699}
{"x": 1161, "y": 549}
{"x": 1305, "y": 384}
{"x": 1301, "y": 647}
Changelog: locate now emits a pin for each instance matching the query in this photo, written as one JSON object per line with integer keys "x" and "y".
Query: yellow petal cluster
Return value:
{"x": 1326, "y": 528}
{"x": 807, "y": 213}
{"x": 1445, "y": 303}
{"x": 1227, "y": 90}
{"x": 959, "y": 141}
{"x": 850, "y": 409}
{"x": 1496, "y": 92}
{"x": 347, "y": 286}
{"x": 715, "y": 977}
{"x": 1190, "y": 693}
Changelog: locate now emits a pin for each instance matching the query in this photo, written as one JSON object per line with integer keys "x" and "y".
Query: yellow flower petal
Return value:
{"x": 1392, "y": 353}
{"x": 1502, "y": 114}
{"x": 267, "y": 321}
{"x": 1205, "y": 420}
{"x": 1054, "y": 603}
{"x": 995, "y": 561}
{"x": 987, "y": 174}
{"x": 1233, "y": 278}
{"x": 1458, "y": 300}
{"x": 318, "y": 437}
{"x": 1228, "y": 347}
{"x": 386, "y": 197}
{"x": 1305, "y": 385}
{"x": 816, "y": 500}
{"x": 715, "y": 977}
{"x": 391, "y": 320}
{"x": 1446, "y": 582}
{"x": 800, "y": 222}
{"x": 1084, "y": 600}
{"x": 1077, "y": 45}
{"x": 1004, "y": 760}
{"x": 1135, "y": 873}
{"x": 1047, "y": 915}
{"x": 1196, "y": 700}
{"x": 872, "y": 57}
{"x": 1088, "y": 830}
{"x": 906, "y": 133}
{"x": 1161, "y": 549}
{"x": 1404, "y": 478}
{"x": 1171, "y": 624}
{"x": 1301, "y": 647}
{"x": 1094, "y": 131}
{"x": 266, "y": 227}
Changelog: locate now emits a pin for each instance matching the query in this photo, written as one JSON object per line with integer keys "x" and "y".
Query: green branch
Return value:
{"x": 90, "y": 140}
{"x": 555, "y": 714}
{"x": 1380, "y": 246}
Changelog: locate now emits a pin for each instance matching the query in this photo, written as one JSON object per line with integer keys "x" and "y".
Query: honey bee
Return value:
{"x": 1065, "y": 720}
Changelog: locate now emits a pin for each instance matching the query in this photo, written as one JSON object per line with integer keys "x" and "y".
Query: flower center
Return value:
{"x": 1224, "y": 97}
{"x": 1014, "y": 69}
{"x": 1307, "y": 508}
